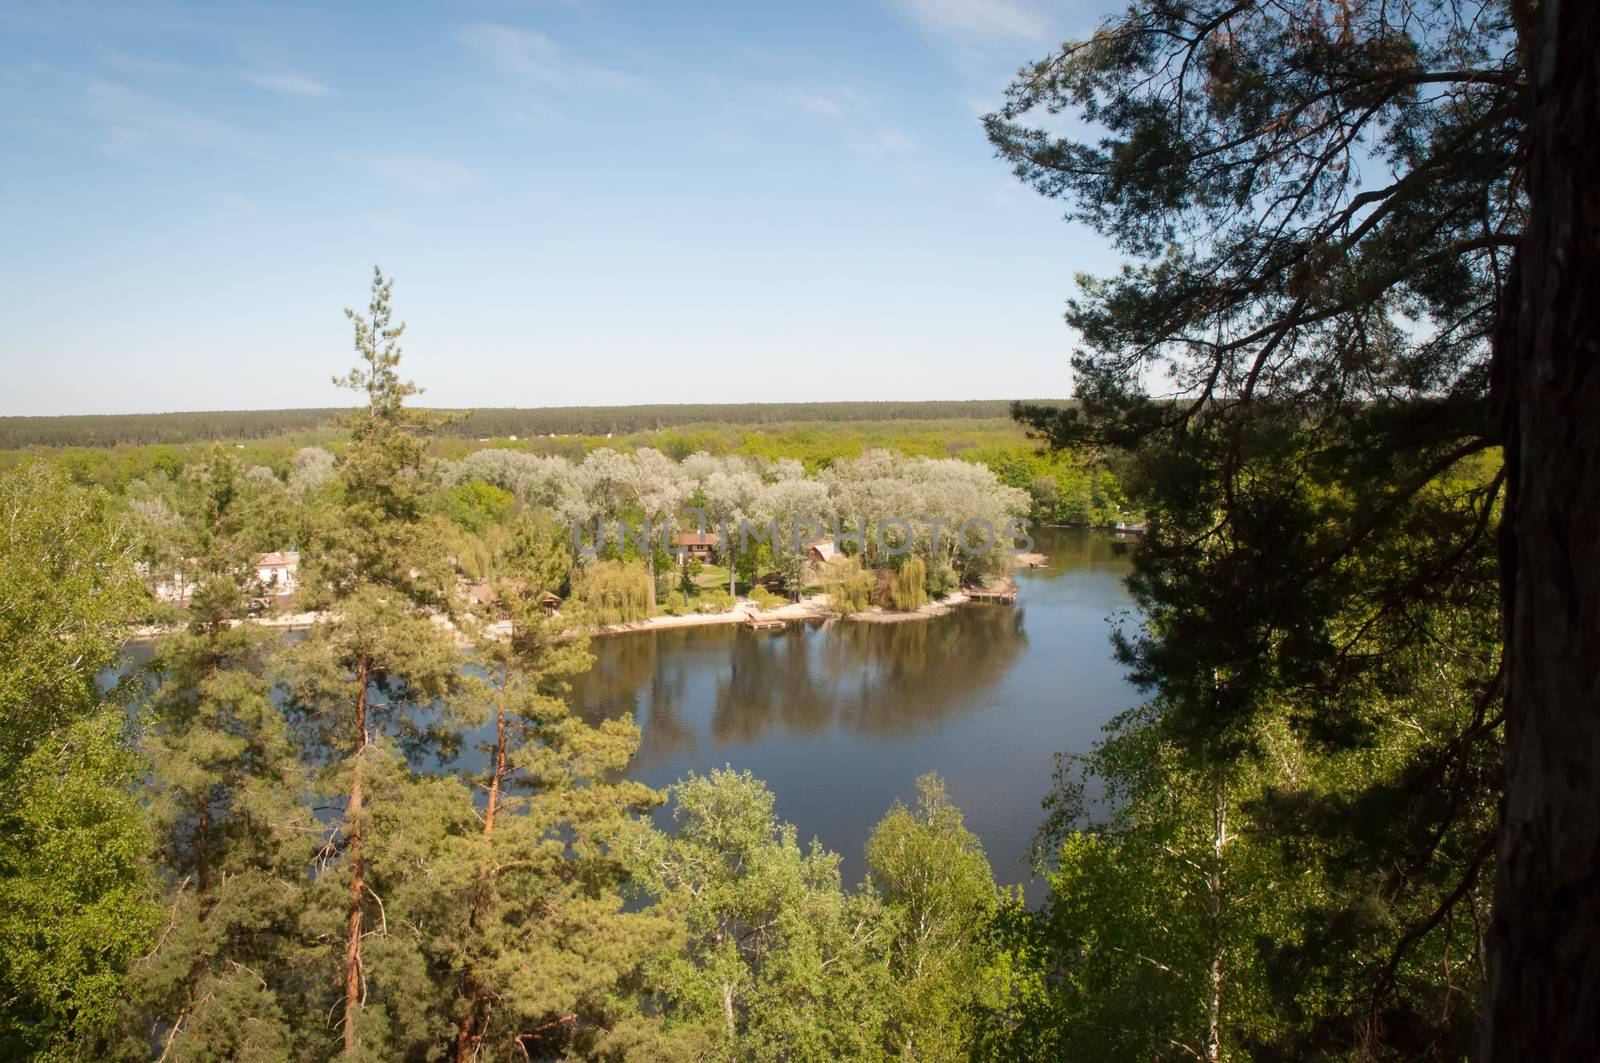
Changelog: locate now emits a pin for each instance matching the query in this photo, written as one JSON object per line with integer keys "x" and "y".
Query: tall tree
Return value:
{"x": 1544, "y": 988}
{"x": 1324, "y": 198}
{"x": 75, "y": 906}
{"x": 779, "y": 963}
{"x": 227, "y": 793}
{"x": 939, "y": 894}
{"x": 368, "y": 678}
{"x": 535, "y": 933}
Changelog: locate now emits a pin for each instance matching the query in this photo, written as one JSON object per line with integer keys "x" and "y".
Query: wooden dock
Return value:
{"x": 1007, "y": 594}
{"x": 756, "y": 623}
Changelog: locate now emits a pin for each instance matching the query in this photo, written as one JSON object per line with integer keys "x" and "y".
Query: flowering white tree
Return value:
{"x": 731, "y": 497}
{"x": 794, "y": 512}
{"x": 659, "y": 489}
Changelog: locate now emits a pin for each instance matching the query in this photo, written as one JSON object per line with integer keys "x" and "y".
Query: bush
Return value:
{"x": 942, "y": 578}
{"x": 715, "y": 601}
{"x": 675, "y": 604}
{"x": 765, "y": 599}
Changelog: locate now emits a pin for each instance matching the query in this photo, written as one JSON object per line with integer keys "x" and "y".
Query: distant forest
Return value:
{"x": 146, "y": 428}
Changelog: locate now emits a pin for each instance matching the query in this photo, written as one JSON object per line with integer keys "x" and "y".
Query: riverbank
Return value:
{"x": 813, "y": 607}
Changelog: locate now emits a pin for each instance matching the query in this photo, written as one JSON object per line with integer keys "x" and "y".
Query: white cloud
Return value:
{"x": 532, "y": 57}
{"x": 856, "y": 115}
{"x": 820, "y": 103}
{"x": 420, "y": 173}
{"x": 134, "y": 120}
{"x": 288, "y": 83}
{"x": 966, "y": 18}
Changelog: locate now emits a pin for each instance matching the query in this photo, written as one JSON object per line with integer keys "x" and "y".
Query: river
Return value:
{"x": 839, "y": 718}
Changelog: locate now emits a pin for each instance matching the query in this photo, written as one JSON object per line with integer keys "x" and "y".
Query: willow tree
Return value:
{"x": 1323, "y": 202}
{"x": 367, "y": 680}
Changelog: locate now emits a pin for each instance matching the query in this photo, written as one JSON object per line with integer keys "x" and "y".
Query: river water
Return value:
{"x": 839, "y": 718}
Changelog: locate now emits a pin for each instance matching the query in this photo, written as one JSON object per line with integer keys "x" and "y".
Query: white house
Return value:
{"x": 279, "y": 573}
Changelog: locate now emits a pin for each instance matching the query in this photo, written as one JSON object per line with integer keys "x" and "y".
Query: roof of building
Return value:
{"x": 274, "y": 559}
{"x": 696, "y": 539}
{"x": 824, "y": 548}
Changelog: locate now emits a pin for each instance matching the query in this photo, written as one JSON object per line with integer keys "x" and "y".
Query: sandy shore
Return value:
{"x": 815, "y": 607}
{"x": 937, "y": 607}
{"x": 810, "y": 608}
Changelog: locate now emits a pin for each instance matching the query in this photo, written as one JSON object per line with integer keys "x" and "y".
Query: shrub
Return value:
{"x": 765, "y": 599}
{"x": 942, "y": 578}
{"x": 715, "y": 601}
{"x": 675, "y": 604}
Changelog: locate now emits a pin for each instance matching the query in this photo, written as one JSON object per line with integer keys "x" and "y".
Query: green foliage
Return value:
{"x": 765, "y": 599}
{"x": 613, "y": 592}
{"x": 940, "y": 898}
{"x": 528, "y": 935}
{"x": 74, "y": 890}
{"x": 1321, "y": 638}
{"x": 329, "y": 881}
{"x": 227, "y": 795}
{"x": 906, "y": 590}
{"x": 849, "y": 588}
{"x": 166, "y": 428}
{"x": 714, "y": 600}
{"x": 370, "y": 688}
{"x": 942, "y": 578}
{"x": 779, "y": 962}
{"x": 476, "y": 506}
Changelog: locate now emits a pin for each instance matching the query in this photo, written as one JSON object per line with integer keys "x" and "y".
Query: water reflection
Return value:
{"x": 840, "y": 717}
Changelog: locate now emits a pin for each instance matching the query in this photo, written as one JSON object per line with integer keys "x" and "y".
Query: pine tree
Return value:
{"x": 536, "y": 932}
{"x": 227, "y": 794}
{"x": 368, "y": 680}
{"x": 1323, "y": 201}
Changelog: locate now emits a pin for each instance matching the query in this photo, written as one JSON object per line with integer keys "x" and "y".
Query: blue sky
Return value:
{"x": 583, "y": 202}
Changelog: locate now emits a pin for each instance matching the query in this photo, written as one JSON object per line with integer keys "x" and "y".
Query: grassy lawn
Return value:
{"x": 712, "y": 576}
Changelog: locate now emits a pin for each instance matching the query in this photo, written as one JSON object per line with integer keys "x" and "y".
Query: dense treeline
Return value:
{"x": 1063, "y": 487}
{"x": 105, "y": 430}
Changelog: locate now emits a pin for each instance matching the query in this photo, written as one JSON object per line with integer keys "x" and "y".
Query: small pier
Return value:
{"x": 1006, "y": 595}
{"x": 757, "y": 623}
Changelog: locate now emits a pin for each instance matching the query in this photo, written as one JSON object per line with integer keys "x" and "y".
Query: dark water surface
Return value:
{"x": 839, "y": 718}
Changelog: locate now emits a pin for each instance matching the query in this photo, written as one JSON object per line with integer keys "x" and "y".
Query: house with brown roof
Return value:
{"x": 695, "y": 546}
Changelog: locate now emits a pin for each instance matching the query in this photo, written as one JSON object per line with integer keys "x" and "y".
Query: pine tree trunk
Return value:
{"x": 358, "y": 880}
{"x": 1544, "y": 971}
{"x": 468, "y": 1039}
